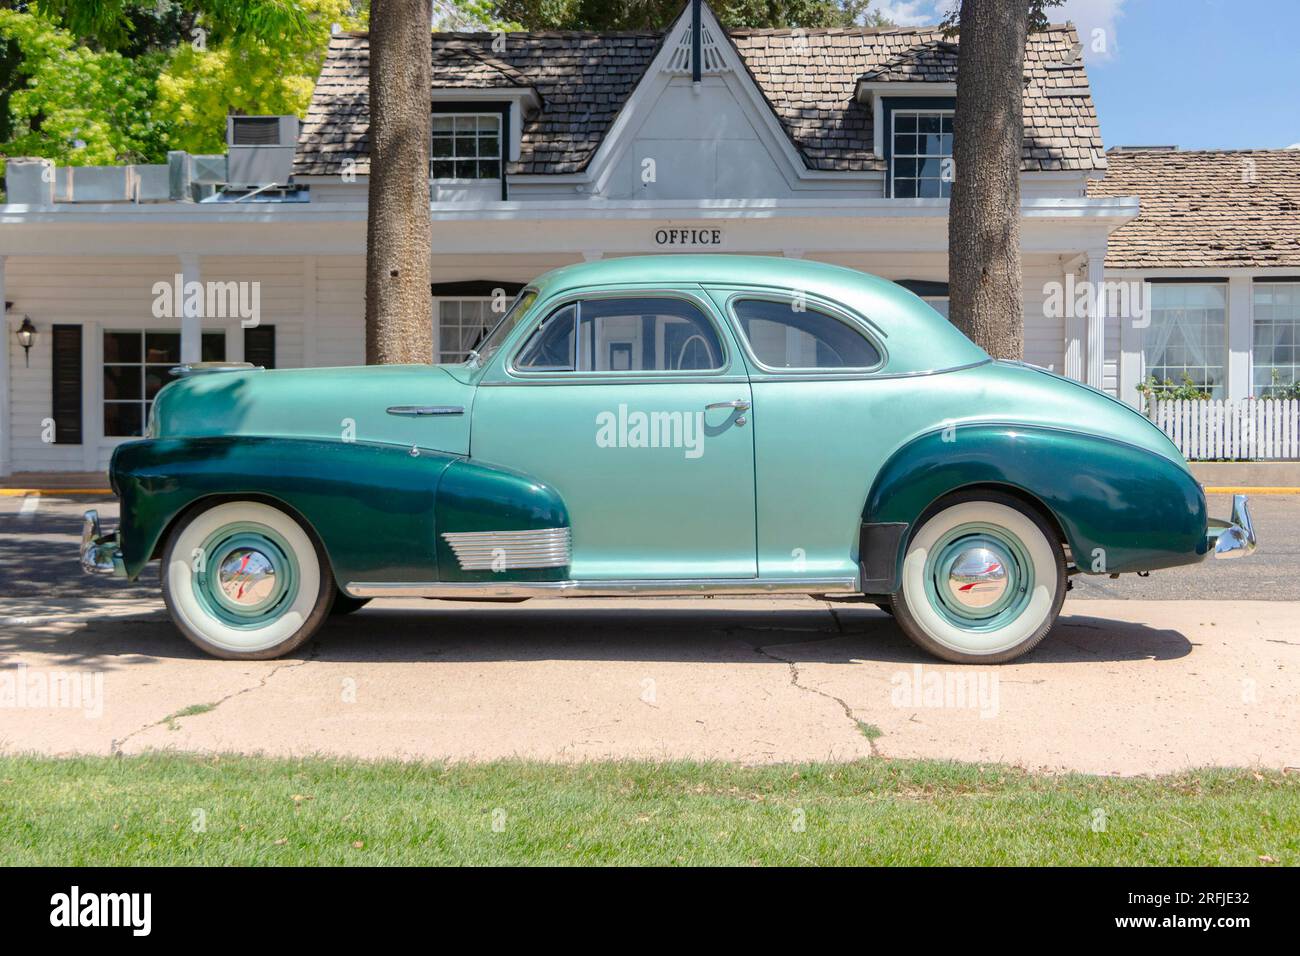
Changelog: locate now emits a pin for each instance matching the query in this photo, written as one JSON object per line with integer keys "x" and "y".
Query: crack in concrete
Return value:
{"x": 794, "y": 682}
{"x": 115, "y": 747}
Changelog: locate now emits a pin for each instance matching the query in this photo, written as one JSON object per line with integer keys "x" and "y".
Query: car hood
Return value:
{"x": 344, "y": 404}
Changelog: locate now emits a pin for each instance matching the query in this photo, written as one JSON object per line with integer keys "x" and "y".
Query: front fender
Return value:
{"x": 371, "y": 505}
{"x": 1120, "y": 507}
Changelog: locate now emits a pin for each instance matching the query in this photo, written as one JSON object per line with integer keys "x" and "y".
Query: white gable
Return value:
{"x": 716, "y": 139}
{"x": 696, "y": 143}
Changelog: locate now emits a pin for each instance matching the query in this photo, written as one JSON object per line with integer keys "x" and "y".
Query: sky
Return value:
{"x": 1197, "y": 74}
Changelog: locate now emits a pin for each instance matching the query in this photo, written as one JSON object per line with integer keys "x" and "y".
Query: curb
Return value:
{"x": 1251, "y": 490}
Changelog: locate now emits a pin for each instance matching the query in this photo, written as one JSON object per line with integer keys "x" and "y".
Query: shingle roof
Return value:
{"x": 583, "y": 80}
{"x": 809, "y": 78}
{"x": 1211, "y": 208}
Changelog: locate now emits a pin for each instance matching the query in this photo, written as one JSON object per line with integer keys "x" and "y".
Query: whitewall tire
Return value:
{"x": 983, "y": 580}
{"x": 245, "y": 581}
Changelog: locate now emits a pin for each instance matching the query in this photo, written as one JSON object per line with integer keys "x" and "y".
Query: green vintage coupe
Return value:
{"x": 650, "y": 426}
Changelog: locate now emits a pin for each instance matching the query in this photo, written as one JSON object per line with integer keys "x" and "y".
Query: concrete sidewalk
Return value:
{"x": 1127, "y": 687}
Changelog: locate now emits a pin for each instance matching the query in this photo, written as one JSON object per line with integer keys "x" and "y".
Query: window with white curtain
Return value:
{"x": 1187, "y": 336}
{"x": 1276, "y": 362}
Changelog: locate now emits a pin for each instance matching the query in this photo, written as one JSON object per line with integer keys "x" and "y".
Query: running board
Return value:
{"x": 637, "y": 588}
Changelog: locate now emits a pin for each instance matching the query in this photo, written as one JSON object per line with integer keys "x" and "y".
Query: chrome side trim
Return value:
{"x": 426, "y": 410}
{"x": 201, "y": 368}
{"x": 508, "y": 550}
{"x": 612, "y": 588}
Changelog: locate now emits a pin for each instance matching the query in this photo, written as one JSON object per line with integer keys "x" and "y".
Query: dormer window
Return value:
{"x": 921, "y": 153}
{"x": 466, "y": 146}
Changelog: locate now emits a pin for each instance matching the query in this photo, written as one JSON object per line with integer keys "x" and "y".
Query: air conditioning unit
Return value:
{"x": 259, "y": 150}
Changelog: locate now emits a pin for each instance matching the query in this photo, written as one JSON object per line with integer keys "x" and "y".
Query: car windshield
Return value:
{"x": 501, "y": 331}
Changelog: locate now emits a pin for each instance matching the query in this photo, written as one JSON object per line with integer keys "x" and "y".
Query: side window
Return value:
{"x": 550, "y": 347}
{"x": 646, "y": 335}
{"x": 784, "y": 337}
{"x": 635, "y": 334}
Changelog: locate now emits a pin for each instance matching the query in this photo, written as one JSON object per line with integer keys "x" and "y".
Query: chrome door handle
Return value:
{"x": 739, "y": 404}
{"x": 426, "y": 410}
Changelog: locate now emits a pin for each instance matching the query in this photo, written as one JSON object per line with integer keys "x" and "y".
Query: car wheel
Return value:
{"x": 347, "y": 604}
{"x": 244, "y": 581}
{"x": 983, "y": 580}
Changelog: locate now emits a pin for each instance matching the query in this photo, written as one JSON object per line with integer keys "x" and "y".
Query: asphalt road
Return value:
{"x": 38, "y": 559}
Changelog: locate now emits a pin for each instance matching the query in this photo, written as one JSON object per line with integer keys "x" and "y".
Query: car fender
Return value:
{"x": 378, "y": 510}
{"x": 1119, "y": 507}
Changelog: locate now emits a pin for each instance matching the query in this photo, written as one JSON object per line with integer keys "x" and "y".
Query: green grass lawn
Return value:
{"x": 173, "y": 809}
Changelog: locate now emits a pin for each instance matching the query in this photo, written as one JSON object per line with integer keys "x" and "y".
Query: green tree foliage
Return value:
{"x": 206, "y": 79}
{"x": 126, "y": 80}
{"x": 119, "y": 24}
{"x": 74, "y": 104}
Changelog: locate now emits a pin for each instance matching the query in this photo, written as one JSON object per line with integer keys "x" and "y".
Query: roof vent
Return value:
{"x": 254, "y": 131}
{"x": 711, "y": 59}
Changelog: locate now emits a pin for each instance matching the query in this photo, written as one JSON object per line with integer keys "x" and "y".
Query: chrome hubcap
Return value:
{"x": 977, "y": 578}
{"x": 246, "y": 577}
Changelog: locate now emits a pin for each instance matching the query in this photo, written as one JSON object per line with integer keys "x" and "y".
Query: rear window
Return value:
{"x": 784, "y": 335}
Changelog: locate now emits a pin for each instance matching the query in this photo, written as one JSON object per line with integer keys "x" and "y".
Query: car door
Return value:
{"x": 634, "y": 405}
{"x": 818, "y": 406}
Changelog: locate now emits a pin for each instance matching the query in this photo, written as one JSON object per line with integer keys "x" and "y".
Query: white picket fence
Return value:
{"x": 1250, "y": 430}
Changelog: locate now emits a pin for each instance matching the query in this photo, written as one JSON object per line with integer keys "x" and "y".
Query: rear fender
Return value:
{"x": 1120, "y": 507}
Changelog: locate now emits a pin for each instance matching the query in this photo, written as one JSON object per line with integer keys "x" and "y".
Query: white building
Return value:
{"x": 548, "y": 149}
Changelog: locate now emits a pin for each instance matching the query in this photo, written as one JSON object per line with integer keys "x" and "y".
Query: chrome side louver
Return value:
{"x": 510, "y": 550}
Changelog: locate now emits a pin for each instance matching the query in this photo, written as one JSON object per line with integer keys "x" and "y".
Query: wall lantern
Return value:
{"x": 26, "y": 334}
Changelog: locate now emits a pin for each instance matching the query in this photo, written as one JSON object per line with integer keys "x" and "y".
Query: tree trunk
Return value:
{"x": 985, "y": 287}
{"x": 398, "y": 228}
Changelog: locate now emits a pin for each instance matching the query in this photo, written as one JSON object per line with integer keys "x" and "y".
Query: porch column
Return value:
{"x": 1096, "y": 317}
{"x": 1241, "y": 304}
{"x": 191, "y": 316}
{"x": 1073, "y": 325}
{"x": 1132, "y": 329}
{"x": 5, "y": 419}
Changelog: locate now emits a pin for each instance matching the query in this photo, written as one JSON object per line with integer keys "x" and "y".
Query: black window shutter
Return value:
{"x": 259, "y": 345}
{"x": 67, "y": 384}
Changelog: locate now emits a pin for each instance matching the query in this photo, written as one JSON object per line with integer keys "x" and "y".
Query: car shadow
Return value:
{"x": 467, "y": 632}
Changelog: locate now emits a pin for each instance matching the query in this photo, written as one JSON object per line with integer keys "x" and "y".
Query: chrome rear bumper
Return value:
{"x": 1235, "y": 537}
{"x": 100, "y": 553}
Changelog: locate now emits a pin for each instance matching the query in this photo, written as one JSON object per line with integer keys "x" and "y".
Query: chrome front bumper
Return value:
{"x": 1235, "y": 537}
{"x": 100, "y": 553}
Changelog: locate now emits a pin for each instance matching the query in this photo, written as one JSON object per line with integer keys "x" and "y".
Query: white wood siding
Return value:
{"x": 101, "y": 293}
